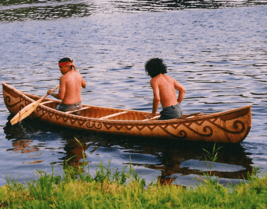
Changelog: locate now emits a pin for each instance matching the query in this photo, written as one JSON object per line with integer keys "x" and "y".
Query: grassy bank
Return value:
{"x": 78, "y": 189}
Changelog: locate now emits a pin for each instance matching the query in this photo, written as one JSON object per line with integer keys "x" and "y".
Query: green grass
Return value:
{"x": 113, "y": 189}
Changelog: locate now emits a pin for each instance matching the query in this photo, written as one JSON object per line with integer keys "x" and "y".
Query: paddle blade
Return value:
{"x": 25, "y": 112}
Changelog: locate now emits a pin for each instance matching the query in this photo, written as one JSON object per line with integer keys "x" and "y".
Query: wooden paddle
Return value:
{"x": 26, "y": 111}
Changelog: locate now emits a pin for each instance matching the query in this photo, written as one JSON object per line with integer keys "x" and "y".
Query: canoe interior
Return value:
{"x": 97, "y": 112}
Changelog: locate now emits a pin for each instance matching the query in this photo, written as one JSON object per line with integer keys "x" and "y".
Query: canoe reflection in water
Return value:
{"x": 169, "y": 159}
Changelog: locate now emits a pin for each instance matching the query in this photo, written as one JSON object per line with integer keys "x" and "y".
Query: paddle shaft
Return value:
{"x": 26, "y": 111}
{"x": 54, "y": 89}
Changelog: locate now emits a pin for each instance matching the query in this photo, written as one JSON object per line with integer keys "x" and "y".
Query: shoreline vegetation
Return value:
{"x": 76, "y": 188}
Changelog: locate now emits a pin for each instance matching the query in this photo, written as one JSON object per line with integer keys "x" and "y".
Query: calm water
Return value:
{"x": 219, "y": 55}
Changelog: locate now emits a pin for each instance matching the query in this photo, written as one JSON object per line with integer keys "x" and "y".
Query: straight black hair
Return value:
{"x": 65, "y": 59}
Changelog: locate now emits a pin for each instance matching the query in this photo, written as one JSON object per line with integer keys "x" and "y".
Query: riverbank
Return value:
{"x": 78, "y": 189}
{"x": 217, "y": 54}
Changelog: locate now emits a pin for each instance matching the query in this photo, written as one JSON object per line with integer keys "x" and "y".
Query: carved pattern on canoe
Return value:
{"x": 151, "y": 127}
{"x": 235, "y": 126}
{"x": 81, "y": 122}
{"x": 8, "y": 101}
{"x": 43, "y": 113}
{"x": 58, "y": 116}
{"x": 72, "y": 121}
{"x": 93, "y": 124}
{"x": 140, "y": 127}
{"x": 108, "y": 126}
{"x": 21, "y": 107}
{"x": 118, "y": 127}
{"x": 129, "y": 127}
{"x": 207, "y": 130}
{"x": 50, "y": 114}
{"x": 181, "y": 134}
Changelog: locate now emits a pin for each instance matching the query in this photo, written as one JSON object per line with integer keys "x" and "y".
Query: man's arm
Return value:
{"x": 83, "y": 83}
{"x": 61, "y": 91}
{"x": 181, "y": 90}
{"x": 156, "y": 99}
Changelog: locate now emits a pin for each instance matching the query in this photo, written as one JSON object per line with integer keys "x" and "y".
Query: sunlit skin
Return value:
{"x": 71, "y": 83}
{"x": 164, "y": 92}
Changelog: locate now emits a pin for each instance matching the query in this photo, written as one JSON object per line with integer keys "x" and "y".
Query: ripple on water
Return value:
{"x": 218, "y": 55}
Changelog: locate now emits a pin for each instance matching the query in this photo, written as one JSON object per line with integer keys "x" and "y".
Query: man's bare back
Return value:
{"x": 164, "y": 90}
{"x": 70, "y": 87}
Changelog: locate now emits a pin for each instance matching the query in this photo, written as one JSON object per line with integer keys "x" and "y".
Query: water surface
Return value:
{"x": 219, "y": 55}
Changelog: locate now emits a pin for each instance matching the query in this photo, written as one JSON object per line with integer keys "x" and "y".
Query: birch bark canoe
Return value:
{"x": 231, "y": 126}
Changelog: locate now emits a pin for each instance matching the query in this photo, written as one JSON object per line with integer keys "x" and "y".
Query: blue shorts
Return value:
{"x": 174, "y": 111}
{"x": 64, "y": 108}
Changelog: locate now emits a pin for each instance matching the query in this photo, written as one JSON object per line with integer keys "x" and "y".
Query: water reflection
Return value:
{"x": 168, "y": 158}
{"x": 24, "y": 146}
{"x": 75, "y": 152}
{"x": 17, "y": 10}
{"x": 44, "y": 11}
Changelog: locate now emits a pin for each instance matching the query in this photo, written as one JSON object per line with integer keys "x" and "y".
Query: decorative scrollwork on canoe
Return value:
{"x": 181, "y": 134}
{"x": 98, "y": 125}
{"x": 235, "y": 126}
{"x": 21, "y": 107}
{"x": 92, "y": 124}
{"x": 8, "y": 100}
{"x": 207, "y": 131}
{"x": 39, "y": 117}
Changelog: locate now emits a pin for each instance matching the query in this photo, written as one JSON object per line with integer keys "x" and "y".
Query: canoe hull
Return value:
{"x": 229, "y": 127}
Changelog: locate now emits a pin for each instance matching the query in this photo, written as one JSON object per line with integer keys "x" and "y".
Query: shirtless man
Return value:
{"x": 164, "y": 91}
{"x": 71, "y": 83}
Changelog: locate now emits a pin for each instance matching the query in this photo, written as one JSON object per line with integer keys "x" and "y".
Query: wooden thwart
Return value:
{"x": 182, "y": 117}
{"x": 46, "y": 102}
{"x": 113, "y": 115}
{"x": 155, "y": 117}
{"x": 190, "y": 115}
{"x": 83, "y": 108}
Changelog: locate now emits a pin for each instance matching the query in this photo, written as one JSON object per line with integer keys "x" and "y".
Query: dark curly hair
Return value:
{"x": 155, "y": 66}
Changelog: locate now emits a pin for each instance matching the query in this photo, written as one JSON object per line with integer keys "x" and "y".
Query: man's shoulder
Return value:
{"x": 169, "y": 77}
{"x": 67, "y": 76}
